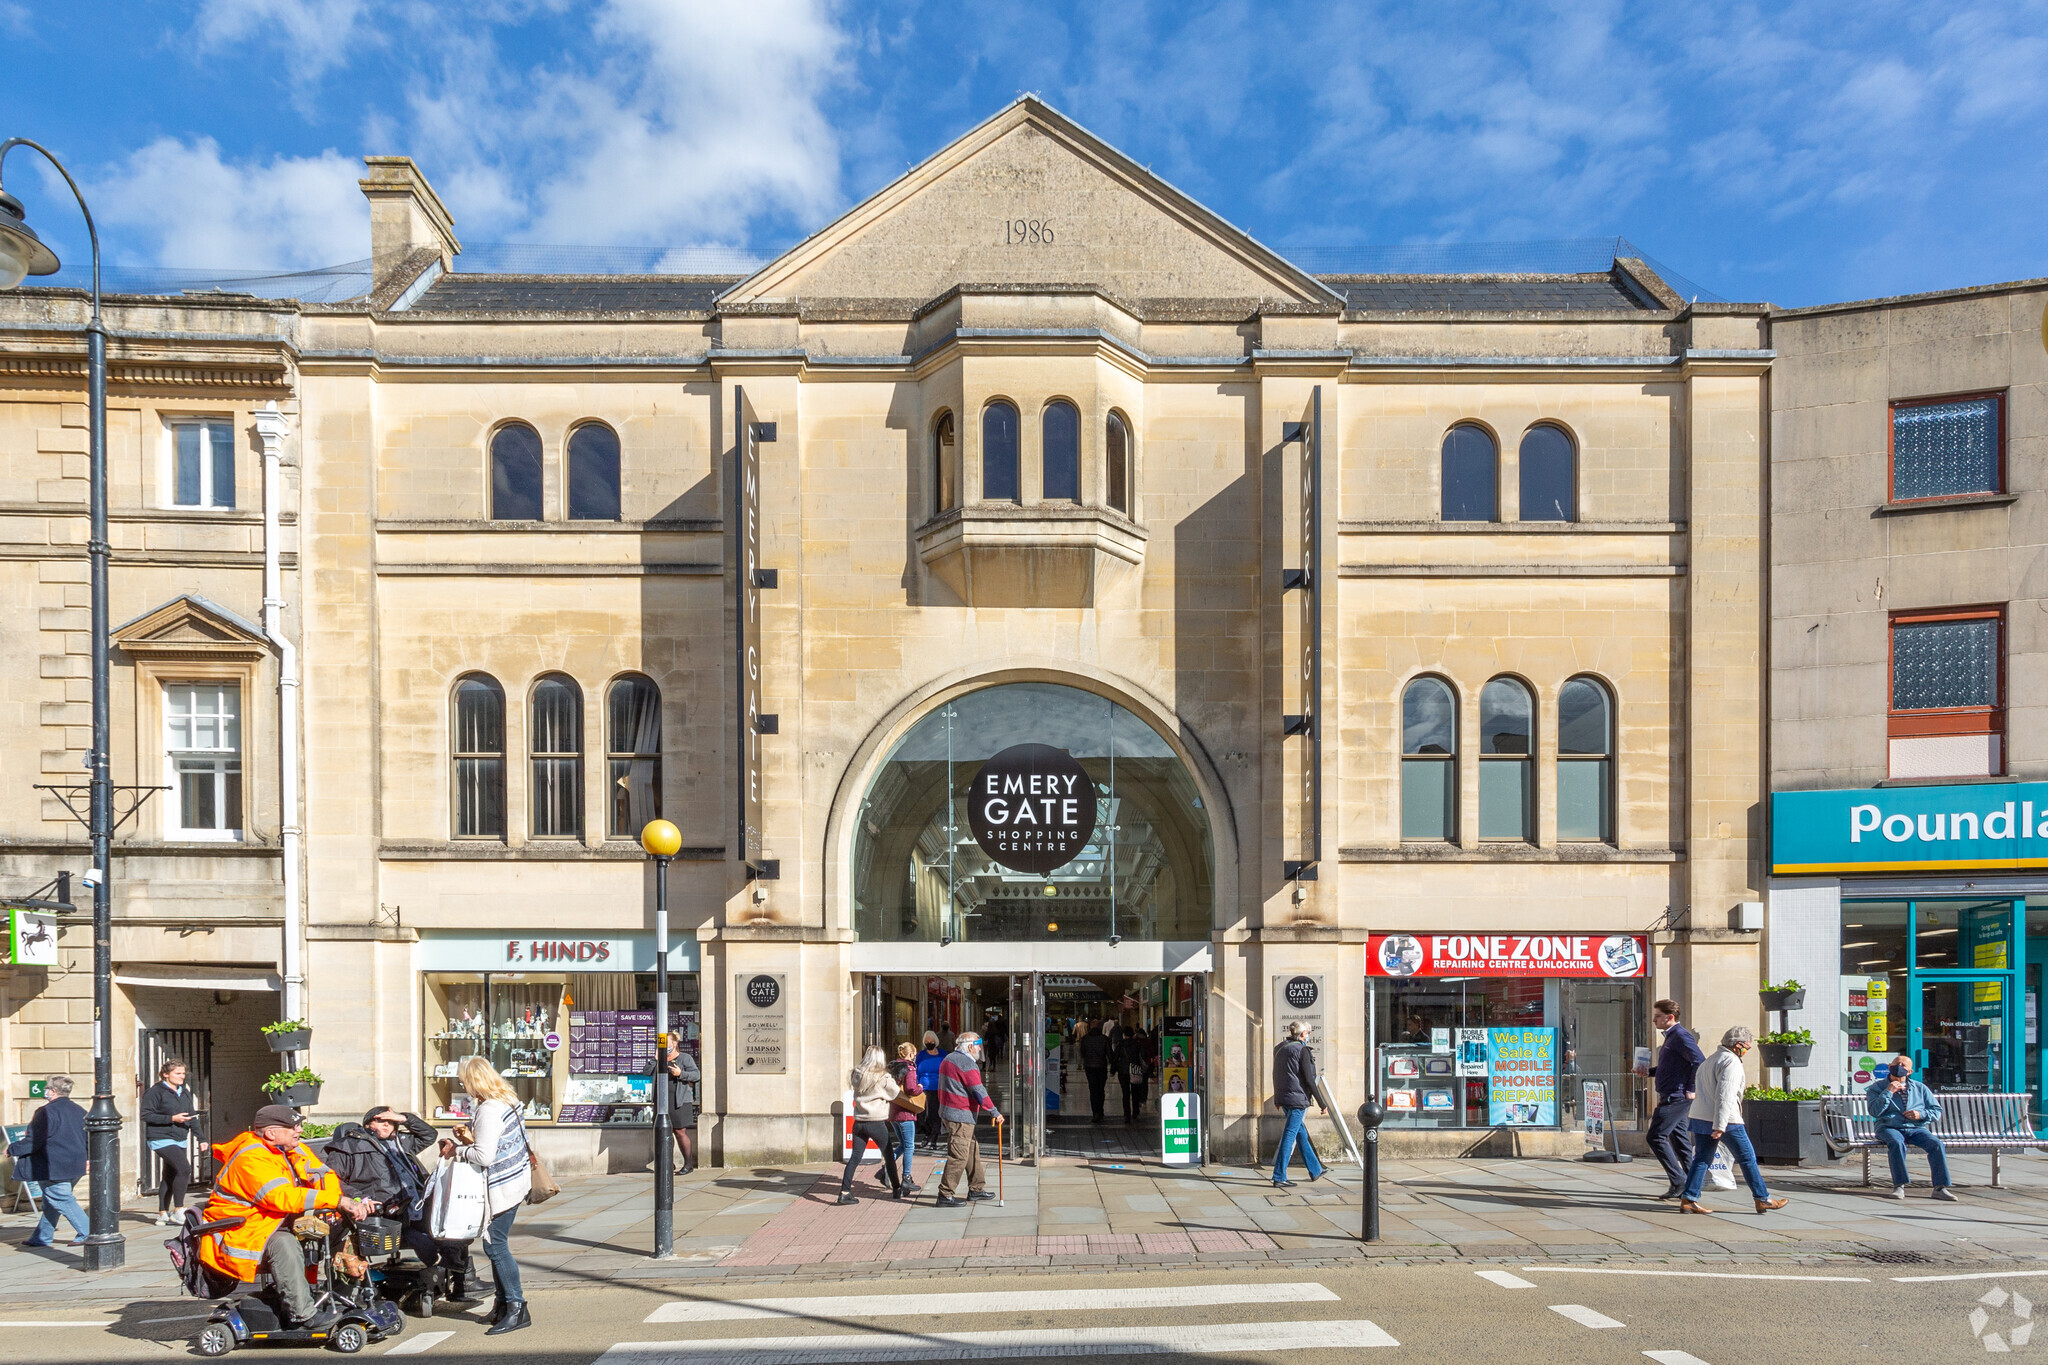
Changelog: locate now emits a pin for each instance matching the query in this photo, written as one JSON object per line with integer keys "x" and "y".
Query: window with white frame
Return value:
{"x": 203, "y": 759}
{"x": 202, "y": 464}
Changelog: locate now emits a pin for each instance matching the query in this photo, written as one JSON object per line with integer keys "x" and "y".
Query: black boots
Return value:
{"x": 515, "y": 1317}
{"x": 456, "y": 1288}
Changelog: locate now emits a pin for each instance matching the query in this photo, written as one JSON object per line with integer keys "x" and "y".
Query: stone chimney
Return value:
{"x": 406, "y": 219}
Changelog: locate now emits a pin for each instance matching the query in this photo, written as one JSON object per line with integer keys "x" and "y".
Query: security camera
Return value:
{"x": 91, "y": 877}
{"x": 760, "y": 894}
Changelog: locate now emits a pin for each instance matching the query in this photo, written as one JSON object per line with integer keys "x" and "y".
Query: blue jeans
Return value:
{"x": 57, "y": 1198}
{"x": 1895, "y": 1141}
{"x": 906, "y": 1143}
{"x": 1288, "y": 1139}
{"x": 1703, "y": 1145}
{"x": 498, "y": 1247}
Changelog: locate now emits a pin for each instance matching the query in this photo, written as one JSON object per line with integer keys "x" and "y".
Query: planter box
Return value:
{"x": 298, "y": 1040}
{"x": 1784, "y": 1000}
{"x": 1787, "y": 1132}
{"x": 297, "y": 1096}
{"x": 1786, "y": 1054}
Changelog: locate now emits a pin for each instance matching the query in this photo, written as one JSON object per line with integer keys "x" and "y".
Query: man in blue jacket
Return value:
{"x": 1903, "y": 1108}
{"x": 1678, "y": 1062}
{"x": 53, "y": 1155}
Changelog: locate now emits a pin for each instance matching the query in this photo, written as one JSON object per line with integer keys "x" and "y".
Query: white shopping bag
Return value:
{"x": 457, "y": 1213}
{"x": 1722, "y": 1170}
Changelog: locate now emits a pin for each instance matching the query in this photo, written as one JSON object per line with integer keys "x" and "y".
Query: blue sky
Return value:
{"x": 1800, "y": 154}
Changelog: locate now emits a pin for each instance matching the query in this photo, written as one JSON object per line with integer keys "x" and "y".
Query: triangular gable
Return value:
{"x": 192, "y": 626}
{"x": 978, "y": 213}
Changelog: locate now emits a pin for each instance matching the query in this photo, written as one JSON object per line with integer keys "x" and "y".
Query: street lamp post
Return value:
{"x": 662, "y": 840}
{"x": 23, "y": 254}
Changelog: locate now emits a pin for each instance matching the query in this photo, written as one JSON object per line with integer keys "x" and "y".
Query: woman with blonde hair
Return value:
{"x": 873, "y": 1087}
{"x": 498, "y": 1148}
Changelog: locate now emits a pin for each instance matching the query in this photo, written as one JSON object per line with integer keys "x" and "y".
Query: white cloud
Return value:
{"x": 179, "y": 203}
{"x": 317, "y": 35}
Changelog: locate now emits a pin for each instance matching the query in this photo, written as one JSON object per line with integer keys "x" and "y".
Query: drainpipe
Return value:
{"x": 270, "y": 430}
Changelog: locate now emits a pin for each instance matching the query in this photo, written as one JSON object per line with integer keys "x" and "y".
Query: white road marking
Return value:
{"x": 76, "y": 1322}
{"x": 1582, "y": 1315}
{"x": 425, "y": 1341}
{"x": 1985, "y": 1275}
{"x": 1029, "y": 1300}
{"x": 875, "y": 1348}
{"x": 1504, "y": 1279}
{"x": 1674, "y": 1358}
{"x": 1707, "y": 1274}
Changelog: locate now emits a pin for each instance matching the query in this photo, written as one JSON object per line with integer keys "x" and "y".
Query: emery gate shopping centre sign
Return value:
{"x": 1910, "y": 829}
{"x": 1032, "y": 808}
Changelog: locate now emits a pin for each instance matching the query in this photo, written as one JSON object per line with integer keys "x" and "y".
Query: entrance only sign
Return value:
{"x": 1180, "y": 1129}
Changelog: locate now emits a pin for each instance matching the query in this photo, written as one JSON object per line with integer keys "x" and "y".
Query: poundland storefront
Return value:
{"x": 1916, "y": 919}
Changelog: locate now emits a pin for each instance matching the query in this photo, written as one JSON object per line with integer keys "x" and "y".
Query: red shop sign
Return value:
{"x": 1598, "y": 955}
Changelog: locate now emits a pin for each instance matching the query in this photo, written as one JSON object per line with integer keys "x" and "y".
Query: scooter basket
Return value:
{"x": 377, "y": 1236}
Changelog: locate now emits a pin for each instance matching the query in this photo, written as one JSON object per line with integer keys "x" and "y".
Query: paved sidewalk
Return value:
{"x": 750, "y": 1226}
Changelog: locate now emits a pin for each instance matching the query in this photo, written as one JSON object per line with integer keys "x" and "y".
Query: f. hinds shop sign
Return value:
{"x": 1598, "y": 955}
{"x": 1910, "y": 829}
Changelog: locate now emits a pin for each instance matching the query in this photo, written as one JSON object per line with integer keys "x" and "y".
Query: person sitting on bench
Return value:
{"x": 1903, "y": 1108}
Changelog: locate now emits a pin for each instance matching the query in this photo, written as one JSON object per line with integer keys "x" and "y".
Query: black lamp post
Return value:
{"x": 662, "y": 840}
{"x": 22, "y": 254}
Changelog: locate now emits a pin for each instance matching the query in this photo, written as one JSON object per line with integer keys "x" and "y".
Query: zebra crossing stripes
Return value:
{"x": 886, "y": 1348}
{"x": 958, "y": 1307}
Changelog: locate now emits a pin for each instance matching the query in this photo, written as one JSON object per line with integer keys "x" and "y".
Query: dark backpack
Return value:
{"x": 199, "y": 1279}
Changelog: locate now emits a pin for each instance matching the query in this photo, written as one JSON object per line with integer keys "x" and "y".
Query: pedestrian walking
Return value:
{"x": 498, "y": 1148}
{"x": 1716, "y": 1117}
{"x": 683, "y": 1076}
{"x": 1095, "y": 1054}
{"x": 906, "y": 1109}
{"x": 52, "y": 1153}
{"x": 873, "y": 1089}
{"x": 1124, "y": 1057}
{"x": 962, "y": 1098}
{"x": 168, "y": 1111}
{"x": 1678, "y": 1061}
{"x": 1140, "y": 1051}
{"x": 929, "y": 1058}
{"x": 1294, "y": 1088}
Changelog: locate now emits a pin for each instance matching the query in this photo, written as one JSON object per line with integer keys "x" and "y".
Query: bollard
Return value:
{"x": 1369, "y": 1116}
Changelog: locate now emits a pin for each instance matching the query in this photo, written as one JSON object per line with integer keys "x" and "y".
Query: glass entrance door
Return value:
{"x": 1962, "y": 1033}
{"x": 1025, "y": 1116}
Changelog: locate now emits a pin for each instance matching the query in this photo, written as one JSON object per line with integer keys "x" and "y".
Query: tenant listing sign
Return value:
{"x": 1032, "y": 808}
{"x": 1594, "y": 955}
{"x": 1298, "y": 999}
{"x": 761, "y": 1001}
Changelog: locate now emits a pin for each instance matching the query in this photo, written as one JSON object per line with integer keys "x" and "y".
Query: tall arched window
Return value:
{"x": 593, "y": 473}
{"x": 1429, "y": 760}
{"x": 1585, "y": 761}
{"x": 999, "y": 453}
{"x": 1507, "y": 733}
{"x": 477, "y": 746}
{"x": 633, "y": 745}
{"x": 945, "y": 464}
{"x": 1061, "y": 429}
{"x": 1549, "y": 475}
{"x": 556, "y": 753}
{"x": 1470, "y": 481}
{"x": 1117, "y": 448}
{"x": 515, "y": 473}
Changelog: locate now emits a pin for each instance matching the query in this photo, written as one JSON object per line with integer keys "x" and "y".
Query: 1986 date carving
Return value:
{"x": 1027, "y": 232}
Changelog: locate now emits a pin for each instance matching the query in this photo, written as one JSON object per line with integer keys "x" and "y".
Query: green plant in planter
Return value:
{"x": 286, "y": 1026}
{"x": 1782, "y": 988}
{"x": 1792, "y": 1038}
{"x": 281, "y": 1081}
{"x": 318, "y": 1130}
{"x": 1770, "y": 1092}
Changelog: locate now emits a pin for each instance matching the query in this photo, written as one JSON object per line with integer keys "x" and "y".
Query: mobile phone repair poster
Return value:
{"x": 1522, "y": 1077}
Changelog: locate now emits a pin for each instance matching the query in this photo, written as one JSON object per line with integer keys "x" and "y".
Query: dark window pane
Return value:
{"x": 1548, "y": 476}
{"x": 1582, "y": 726}
{"x": 185, "y": 465}
{"x": 999, "y": 453}
{"x": 635, "y": 717}
{"x": 1504, "y": 718}
{"x": 557, "y": 717}
{"x": 1428, "y": 718}
{"x": 636, "y": 795}
{"x": 593, "y": 474}
{"x": 1468, "y": 475}
{"x": 1062, "y": 430}
{"x": 945, "y": 474}
{"x": 1937, "y": 664}
{"x": 479, "y": 718}
{"x": 221, "y": 437}
{"x": 557, "y": 798}
{"x": 231, "y": 780}
{"x": 480, "y": 798}
{"x": 1119, "y": 466}
{"x": 515, "y": 474}
{"x": 1942, "y": 450}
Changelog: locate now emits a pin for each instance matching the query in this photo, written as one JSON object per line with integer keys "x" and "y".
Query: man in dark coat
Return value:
{"x": 378, "y": 1160}
{"x": 1095, "y": 1058}
{"x": 1678, "y": 1062}
{"x": 53, "y": 1155}
{"x": 1294, "y": 1089}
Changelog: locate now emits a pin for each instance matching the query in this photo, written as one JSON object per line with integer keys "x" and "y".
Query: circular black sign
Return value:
{"x": 1032, "y": 808}
{"x": 763, "y": 991}
{"x": 1301, "y": 992}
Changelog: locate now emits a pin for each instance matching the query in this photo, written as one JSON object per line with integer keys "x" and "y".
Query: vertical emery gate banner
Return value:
{"x": 746, "y": 520}
{"x": 1308, "y": 579}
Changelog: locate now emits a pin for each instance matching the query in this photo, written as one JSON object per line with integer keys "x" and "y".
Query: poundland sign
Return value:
{"x": 1910, "y": 829}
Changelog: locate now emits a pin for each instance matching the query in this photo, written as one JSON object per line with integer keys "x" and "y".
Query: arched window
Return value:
{"x": 1118, "y": 451}
{"x": 515, "y": 473}
{"x": 1585, "y": 761}
{"x": 999, "y": 453}
{"x": 1507, "y": 733}
{"x": 556, "y": 752}
{"x": 1549, "y": 475}
{"x": 945, "y": 467}
{"x": 593, "y": 473}
{"x": 477, "y": 745}
{"x": 1429, "y": 760}
{"x": 633, "y": 744}
{"x": 1061, "y": 429}
{"x": 1470, "y": 485}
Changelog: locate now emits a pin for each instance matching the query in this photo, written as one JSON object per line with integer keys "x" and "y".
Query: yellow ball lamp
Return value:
{"x": 661, "y": 838}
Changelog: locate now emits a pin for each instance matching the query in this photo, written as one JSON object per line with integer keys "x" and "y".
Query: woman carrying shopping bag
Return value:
{"x": 500, "y": 1151}
{"x": 906, "y": 1109}
{"x": 1716, "y": 1117}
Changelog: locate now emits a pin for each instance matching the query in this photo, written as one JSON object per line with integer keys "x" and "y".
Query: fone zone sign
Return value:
{"x": 1032, "y": 808}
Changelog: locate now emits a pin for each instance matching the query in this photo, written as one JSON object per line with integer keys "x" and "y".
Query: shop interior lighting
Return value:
{"x": 1930, "y": 933}
{"x": 1870, "y": 943}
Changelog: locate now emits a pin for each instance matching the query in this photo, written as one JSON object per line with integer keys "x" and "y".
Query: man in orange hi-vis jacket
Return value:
{"x": 268, "y": 1177}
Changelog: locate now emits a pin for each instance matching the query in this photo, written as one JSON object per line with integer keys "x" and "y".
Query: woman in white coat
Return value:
{"x": 498, "y": 1148}
{"x": 1716, "y": 1117}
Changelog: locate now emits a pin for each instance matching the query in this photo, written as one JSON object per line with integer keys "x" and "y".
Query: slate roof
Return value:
{"x": 459, "y": 293}
{"x": 1604, "y": 292}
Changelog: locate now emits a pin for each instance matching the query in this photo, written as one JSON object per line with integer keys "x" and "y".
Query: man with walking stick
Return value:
{"x": 962, "y": 1097}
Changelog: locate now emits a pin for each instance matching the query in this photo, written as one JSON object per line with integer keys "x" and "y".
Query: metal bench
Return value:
{"x": 1975, "y": 1122}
